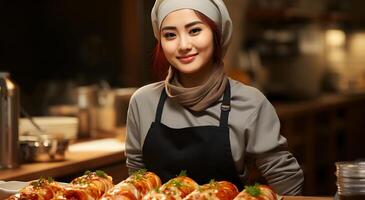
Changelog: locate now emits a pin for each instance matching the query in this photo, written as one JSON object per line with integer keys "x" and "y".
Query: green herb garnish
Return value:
{"x": 50, "y": 180}
{"x": 176, "y": 183}
{"x": 213, "y": 183}
{"x": 183, "y": 173}
{"x": 157, "y": 190}
{"x": 138, "y": 175}
{"x": 141, "y": 171}
{"x": 101, "y": 173}
{"x": 88, "y": 172}
{"x": 41, "y": 181}
{"x": 253, "y": 190}
{"x": 80, "y": 181}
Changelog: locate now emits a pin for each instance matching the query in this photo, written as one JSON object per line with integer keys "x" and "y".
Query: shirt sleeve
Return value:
{"x": 133, "y": 143}
{"x": 264, "y": 142}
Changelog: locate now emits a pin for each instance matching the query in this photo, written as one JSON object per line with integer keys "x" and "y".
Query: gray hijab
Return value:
{"x": 213, "y": 9}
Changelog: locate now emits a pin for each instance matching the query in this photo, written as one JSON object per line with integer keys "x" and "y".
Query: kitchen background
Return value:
{"x": 307, "y": 56}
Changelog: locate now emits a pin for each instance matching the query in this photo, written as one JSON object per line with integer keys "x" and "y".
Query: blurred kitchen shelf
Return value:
{"x": 321, "y": 131}
{"x": 299, "y": 16}
{"x": 287, "y": 15}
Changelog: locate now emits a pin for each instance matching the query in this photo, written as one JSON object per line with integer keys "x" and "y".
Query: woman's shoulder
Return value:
{"x": 246, "y": 93}
{"x": 147, "y": 91}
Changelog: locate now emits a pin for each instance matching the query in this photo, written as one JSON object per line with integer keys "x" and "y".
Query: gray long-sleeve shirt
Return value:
{"x": 254, "y": 130}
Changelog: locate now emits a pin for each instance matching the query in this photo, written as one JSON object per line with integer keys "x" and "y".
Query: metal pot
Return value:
{"x": 42, "y": 148}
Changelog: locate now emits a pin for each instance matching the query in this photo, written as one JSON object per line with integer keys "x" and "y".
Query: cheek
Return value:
{"x": 168, "y": 48}
{"x": 206, "y": 44}
{"x": 207, "y": 49}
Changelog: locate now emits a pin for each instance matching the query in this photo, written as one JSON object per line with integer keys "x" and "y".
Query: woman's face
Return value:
{"x": 187, "y": 42}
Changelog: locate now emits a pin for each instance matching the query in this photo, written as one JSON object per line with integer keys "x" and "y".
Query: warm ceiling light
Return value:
{"x": 335, "y": 38}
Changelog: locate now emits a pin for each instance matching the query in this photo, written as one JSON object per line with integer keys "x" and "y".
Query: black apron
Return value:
{"x": 203, "y": 151}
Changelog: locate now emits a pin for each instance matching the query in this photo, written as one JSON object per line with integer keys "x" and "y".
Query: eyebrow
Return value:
{"x": 186, "y": 26}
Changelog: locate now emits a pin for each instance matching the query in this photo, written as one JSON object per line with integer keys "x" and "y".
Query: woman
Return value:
{"x": 198, "y": 119}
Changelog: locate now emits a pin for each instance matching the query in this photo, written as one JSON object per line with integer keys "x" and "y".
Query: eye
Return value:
{"x": 195, "y": 31}
{"x": 169, "y": 35}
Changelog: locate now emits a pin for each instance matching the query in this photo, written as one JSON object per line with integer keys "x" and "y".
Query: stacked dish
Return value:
{"x": 351, "y": 179}
{"x": 57, "y": 127}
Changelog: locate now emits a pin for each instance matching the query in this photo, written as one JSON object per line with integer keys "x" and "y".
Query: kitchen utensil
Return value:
{"x": 43, "y": 148}
{"x": 9, "y": 120}
{"x": 30, "y": 118}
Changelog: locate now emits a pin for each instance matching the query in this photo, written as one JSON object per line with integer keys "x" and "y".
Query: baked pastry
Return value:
{"x": 215, "y": 190}
{"x": 90, "y": 186}
{"x": 257, "y": 192}
{"x": 174, "y": 189}
{"x": 134, "y": 187}
{"x": 41, "y": 189}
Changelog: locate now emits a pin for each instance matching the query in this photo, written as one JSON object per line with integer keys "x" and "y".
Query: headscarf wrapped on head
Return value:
{"x": 216, "y": 10}
{"x": 200, "y": 97}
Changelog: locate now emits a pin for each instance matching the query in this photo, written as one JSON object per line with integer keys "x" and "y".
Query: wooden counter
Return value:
{"x": 75, "y": 162}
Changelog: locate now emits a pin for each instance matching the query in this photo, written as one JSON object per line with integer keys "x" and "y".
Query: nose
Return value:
{"x": 185, "y": 44}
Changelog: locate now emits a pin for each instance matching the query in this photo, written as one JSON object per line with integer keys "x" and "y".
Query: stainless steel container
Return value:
{"x": 42, "y": 148}
{"x": 98, "y": 110}
{"x": 9, "y": 122}
{"x": 350, "y": 180}
{"x": 112, "y": 108}
{"x": 87, "y": 103}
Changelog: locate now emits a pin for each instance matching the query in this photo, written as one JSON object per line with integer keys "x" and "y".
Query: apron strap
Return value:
{"x": 161, "y": 102}
{"x": 226, "y": 106}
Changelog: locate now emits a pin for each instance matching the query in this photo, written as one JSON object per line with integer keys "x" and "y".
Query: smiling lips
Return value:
{"x": 187, "y": 58}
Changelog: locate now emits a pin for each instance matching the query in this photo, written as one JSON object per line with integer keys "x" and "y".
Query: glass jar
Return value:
{"x": 351, "y": 180}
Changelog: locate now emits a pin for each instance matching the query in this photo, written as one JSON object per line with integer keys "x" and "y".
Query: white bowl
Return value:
{"x": 58, "y": 127}
{"x": 11, "y": 187}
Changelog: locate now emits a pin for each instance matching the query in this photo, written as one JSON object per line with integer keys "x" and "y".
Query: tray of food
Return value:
{"x": 141, "y": 185}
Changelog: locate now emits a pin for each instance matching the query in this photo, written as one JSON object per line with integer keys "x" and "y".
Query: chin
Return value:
{"x": 188, "y": 68}
{"x": 188, "y": 71}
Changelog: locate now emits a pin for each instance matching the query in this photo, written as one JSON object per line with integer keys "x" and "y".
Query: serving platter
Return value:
{"x": 8, "y": 188}
{"x": 98, "y": 185}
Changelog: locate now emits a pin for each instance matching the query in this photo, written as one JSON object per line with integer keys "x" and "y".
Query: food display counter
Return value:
{"x": 78, "y": 160}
